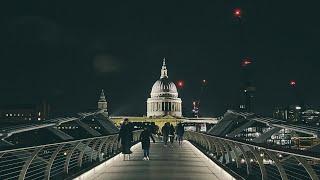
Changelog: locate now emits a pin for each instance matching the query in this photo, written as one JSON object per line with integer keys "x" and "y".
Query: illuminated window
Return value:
{"x": 39, "y": 119}
{"x": 7, "y": 114}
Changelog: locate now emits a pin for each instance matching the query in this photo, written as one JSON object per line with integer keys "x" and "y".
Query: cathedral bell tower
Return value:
{"x": 102, "y": 103}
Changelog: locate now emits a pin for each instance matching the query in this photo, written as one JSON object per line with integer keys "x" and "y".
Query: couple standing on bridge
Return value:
{"x": 168, "y": 133}
{"x": 126, "y": 137}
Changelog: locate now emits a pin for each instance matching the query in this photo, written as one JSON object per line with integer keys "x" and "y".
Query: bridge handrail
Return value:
{"x": 269, "y": 148}
{"x": 9, "y": 148}
{"x": 235, "y": 154}
{"x": 59, "y": 160}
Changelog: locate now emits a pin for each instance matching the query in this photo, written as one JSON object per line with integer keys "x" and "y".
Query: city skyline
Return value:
{"x": 67, "y": 55}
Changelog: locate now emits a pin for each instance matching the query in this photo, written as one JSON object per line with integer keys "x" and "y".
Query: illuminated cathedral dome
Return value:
{"x": 164, "y": 97}
{"x": 164, "y": 88}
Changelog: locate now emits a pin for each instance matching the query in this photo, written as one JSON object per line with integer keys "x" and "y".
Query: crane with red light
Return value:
{"x": 297, "y": 93}
{"x": 196, "y": 103}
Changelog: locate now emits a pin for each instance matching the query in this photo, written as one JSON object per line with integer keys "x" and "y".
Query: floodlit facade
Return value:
{"x": 164, "y": 100}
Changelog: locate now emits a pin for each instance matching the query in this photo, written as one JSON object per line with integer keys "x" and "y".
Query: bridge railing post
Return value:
{"x": 27, "y": 163}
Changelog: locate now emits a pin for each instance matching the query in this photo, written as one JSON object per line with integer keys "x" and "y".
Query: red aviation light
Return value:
{"x": 237, "y": 12}
{"x": 293, "y": 83}
{"x": 180, "y": 84}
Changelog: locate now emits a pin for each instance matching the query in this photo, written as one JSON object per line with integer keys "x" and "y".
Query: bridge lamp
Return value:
{"x": 242, "y": 161}
{"x": 298, "y": 107}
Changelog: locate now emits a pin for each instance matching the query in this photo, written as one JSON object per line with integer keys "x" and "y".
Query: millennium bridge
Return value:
{"x": 85, "y": 146}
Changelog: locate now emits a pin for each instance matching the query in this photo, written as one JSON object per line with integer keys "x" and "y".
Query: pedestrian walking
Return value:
{"x": 145, "y": 142}
{"x": 180, "y": 132}
{"x": 165, "y": 133}
{"x": 126, "y": 138}
{"x": 171, "y": 134}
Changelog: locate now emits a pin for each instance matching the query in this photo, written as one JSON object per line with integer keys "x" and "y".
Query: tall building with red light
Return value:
{"x": 248, "y": 89}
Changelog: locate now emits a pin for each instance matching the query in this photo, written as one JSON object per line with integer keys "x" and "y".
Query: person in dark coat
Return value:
{"x": 145, "y": 142}
{"x": 126, "y": 137}
{"x": 165, "y": 133}
{"x": 180, "y": 132}
{"x": 171, "y": 133}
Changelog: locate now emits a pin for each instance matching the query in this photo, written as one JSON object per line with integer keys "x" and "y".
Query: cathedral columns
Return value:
{"x": 157, "y": 106}
{"x": 173, "y": 106}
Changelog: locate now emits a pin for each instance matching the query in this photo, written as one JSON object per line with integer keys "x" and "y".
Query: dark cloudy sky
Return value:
{"x": 66, "y": 51}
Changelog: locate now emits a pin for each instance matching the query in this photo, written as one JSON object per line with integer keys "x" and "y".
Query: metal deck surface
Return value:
{"x": 166, "y": 163}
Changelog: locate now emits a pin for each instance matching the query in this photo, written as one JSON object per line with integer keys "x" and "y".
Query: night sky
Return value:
{"x": 66, "y": 52}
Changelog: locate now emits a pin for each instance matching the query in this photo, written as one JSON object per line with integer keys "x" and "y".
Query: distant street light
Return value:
{"x": 246, "y": 62}
{"x": 204, "y": 81}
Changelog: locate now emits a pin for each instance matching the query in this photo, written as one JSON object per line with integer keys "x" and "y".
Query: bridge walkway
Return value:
{"x": 185, "y": 162}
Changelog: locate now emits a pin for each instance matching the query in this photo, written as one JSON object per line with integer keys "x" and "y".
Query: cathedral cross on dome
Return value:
{"x": 164, "y": 71}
